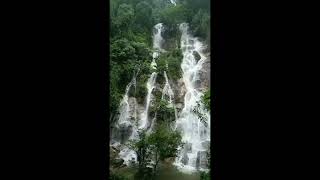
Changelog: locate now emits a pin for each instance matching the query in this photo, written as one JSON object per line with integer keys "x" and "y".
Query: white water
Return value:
{"x": 173, "y": 2}
{"x": 157, "y": 46}
{"x": 126, "y": 121}
{"x": 124, "y": 107}
{"x": 194, "y": 132}
{"x": 167, "y": 91}
{"x": 150, "y": 86}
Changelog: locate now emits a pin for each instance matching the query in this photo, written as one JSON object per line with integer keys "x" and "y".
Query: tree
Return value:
{"x": 143, "y": 15}
{"x": 174, "y": 15}
{"x": 165, "y": 114}
{"x": 142, "y": 149}
{"x": 206, "y": 100}
{"x": 125, "y": 15}
{"x": 164, "y": 143}
{"x": 200, "y": 23}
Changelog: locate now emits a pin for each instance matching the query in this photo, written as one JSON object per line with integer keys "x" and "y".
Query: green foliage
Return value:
{"x": 174, "y": 67}
{"x": 123, "y": 173}
{"x": 173, "y": 59}
{"x": 196, "y": 5}
{"x": 206, "y": 100}
{"x": 143, "y": 16}
{"x": 130, "y": 52}
{"x": 165, "y": 113}
{"x": 200, "y": 24}
{"x": 205, "y": 176}
{"x": 161, "y": 144}
{"x": 117, "y": 176}
{"x": 142, "y": 149}
{"x": 127, "y": 57}
{"x": 125, "y": 15}
{"x": 174, "y": 15}
{"x": 164, "y": 143}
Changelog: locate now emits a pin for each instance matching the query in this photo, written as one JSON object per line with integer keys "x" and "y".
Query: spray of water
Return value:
{"x": 173, "y": 2}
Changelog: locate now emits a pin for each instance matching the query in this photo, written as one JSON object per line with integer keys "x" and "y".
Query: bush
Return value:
{"x": 206, "y": 100}
{"x": 117, "y": 176}
{"x": 205, "y": 176}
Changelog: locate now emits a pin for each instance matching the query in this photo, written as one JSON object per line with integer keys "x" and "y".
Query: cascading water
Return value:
{"x": 127, "y": 124}
{"x": 173, "y": 2}
{"x": 150, "y": 86}
{"x": 124, "y": 107}
{"x": 195, "y": 134}
{"x": 157, "y": 46}
{"x": 167, "y": 91}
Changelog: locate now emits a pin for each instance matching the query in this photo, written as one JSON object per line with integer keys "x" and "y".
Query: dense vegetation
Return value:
{"x": 131, "y": 25}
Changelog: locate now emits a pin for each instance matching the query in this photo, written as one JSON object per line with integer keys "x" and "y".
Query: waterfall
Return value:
{"x": 195, "y": 134}
{"x": 124, "y": 107}
{"x": 173, "y": 2}
{"x": 127, "y": 124}
{"x": 167, "y": 89}
{"x": 150, "y": 86}
{"x": 157, "y": 46}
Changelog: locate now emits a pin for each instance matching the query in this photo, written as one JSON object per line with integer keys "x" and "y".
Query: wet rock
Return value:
{"x": 206, "y": 144}
{"x": 132, "y": 108}
{"x": 197, "y": 84}
{"x": 169, "y": 44}
{"x": 204, "y": 76}
{"x": 185, "y": 159}
{"x": 179, "y": 90}
{"x": 196, "y": 55}
{"x": 198, "y": 161}
{"x": 125, "y": 131}
{"x": 179, "y": 105}
{"x": 117, "y": 162}
{"x": 188, "y": 147}
{"x": 113, "y": 154}
{"x": 202, "y": 159}
{"x": 169, "y": 160}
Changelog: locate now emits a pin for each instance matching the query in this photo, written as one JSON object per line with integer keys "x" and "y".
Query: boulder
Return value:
{"x": 179, "y": 106}
{"x": 196, "y": 55}
{"x": 117, "y": 162}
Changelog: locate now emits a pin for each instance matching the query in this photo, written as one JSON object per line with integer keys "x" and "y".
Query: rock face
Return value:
{"x": 202, "y": 159}
{"x": 133, "y": 105}
{"x": 179, "y": 106}
{"x": 206, "y": 144}
{"x": 196, "y": 55}
{"x": 179, "y": 90}
{"x": 124, "y": 132}
{"x": 204, "y": 76}
{"x": 188, "y": 147}
{"x": 185, "y": 159}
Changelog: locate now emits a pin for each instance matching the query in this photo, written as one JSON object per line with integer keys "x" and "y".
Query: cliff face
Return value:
{"x": 204, "y": 75}
{"x": 182, "y": 92}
